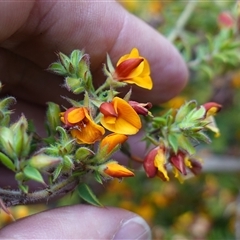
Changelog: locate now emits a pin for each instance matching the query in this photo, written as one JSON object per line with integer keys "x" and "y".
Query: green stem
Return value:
{"x": 102, "y": 87}
{"x": 183, "y": 19}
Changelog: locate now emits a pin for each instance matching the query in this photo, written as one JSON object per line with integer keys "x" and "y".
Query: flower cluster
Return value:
{"x": 82, "y": 138}
{"x": 179, "y": 155}
{"x": 89, "y": 121}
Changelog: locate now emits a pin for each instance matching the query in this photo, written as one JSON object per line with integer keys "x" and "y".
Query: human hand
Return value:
{"x": 31, "y": 33}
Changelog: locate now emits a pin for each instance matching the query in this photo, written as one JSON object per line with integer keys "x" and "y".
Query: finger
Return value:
{"x": 98, "y": 28}
{"x": 79, "y": 222}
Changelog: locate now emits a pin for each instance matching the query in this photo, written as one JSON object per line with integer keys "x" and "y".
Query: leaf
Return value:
{"x": 57, "y": 172}
{"x": 185, "y": 144}
{"x": 173, "y": 142}
{"x": 196, "y": 113}
{"x": 86, "y": 194}
{"x": 57, "y": 68}
{"x": 184, "y": 110}
{"x": 97, "y": 177}
{"x": 7, "y": 162}
{"x": 33, "y": 174}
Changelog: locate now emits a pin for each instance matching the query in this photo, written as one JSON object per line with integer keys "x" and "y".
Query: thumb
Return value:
{"x": 79, "y": 222}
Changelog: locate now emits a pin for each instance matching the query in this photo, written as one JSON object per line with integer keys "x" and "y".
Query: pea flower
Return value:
{"x": 212, "y": 109}
{"x": 155, "y": 163}
{"x": 82, "y": 126}
{"x": 134, "y": 69}
{"x": 157, "y": 159}
{"x": 120, "y": 117}
{"x": 181, "y": 162}
{"x": 111, "y": 141}
{"x": 113, "y": 169}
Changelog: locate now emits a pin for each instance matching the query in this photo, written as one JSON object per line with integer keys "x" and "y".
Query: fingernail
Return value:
{"x": 134, "y": 228}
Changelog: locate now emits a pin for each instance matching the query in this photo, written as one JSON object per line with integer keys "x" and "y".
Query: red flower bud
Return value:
{"x": 148, "y": 163}
{"x": 141, "y": 108}
{"x": 177, "y": 161}
{"x": 211, "y": 108}
{"x": 107, "y": 110}
{"x": 225, "y": 20}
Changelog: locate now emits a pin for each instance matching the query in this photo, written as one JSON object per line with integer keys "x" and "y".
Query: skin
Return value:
{"x": 31, "y": 33}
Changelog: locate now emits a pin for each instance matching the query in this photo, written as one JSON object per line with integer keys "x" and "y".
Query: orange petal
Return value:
{"x": 74, "y": 115}
{"x": 89, "y": 132}
{"x": 113, "y": 169}
{"x": 112, "y": 140}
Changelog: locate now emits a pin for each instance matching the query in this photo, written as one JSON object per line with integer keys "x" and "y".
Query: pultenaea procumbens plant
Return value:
{"x": 82, "y": 139}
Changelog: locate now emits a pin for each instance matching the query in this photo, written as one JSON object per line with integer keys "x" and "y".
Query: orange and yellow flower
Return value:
{"x": 111, "y": 141}
{"x": 120, "y": 117}
{"x": 82, "y": 126}
{"x": 113, "y": 169}
{"x": 134, "y": 69}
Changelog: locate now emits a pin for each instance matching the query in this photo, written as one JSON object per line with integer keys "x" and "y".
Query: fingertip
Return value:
{"x": 79, "y": 222}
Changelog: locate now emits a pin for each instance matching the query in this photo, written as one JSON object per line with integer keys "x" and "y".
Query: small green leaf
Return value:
{"x": 86, "y": 194}
{"x": 76, "y": 56}
{"x": 57, "y": 172}
{"x": 185, "y": 144}
{"x": 97, "y": 177}
{"x": 24, "y": 188}
{"x": 184, "y": 110}
{"x": 173, "y": 142}
{"x": 6, "y": 161}
{"x": 57, "y": 68}
{"x": 33, "y": 174}
{"x": 196, "y": 114}
{"x": 83, "y": 153}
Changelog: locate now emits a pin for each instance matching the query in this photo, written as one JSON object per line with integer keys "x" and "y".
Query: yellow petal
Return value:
{"x": 159, "y": 163}
{"x": 110, "y": 119}
{"x": 133, "y": 54}
{"x": 144, "y": 82}
{"x": 128, "y": 122}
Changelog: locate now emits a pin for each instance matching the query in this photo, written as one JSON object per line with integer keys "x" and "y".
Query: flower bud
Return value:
{"x": 211, "y": 108}
{"x": 148, "y": 163}
{"x": 44, "y": 161}
{"x": 110, "y": 142}
{"x": 74, "y": 85}
{"x": 141, "y": 108}
{"x": 53, "y": 120}
{"x": 226, "y": 20}
{"x": 113, "y": 169}
{"x": 177, "y": 161}
{"x": 6, "y": 141}
{"x": 21, "y": 140}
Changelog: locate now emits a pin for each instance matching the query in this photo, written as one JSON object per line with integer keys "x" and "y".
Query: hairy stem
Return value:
{"x": 12, "y": 198}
